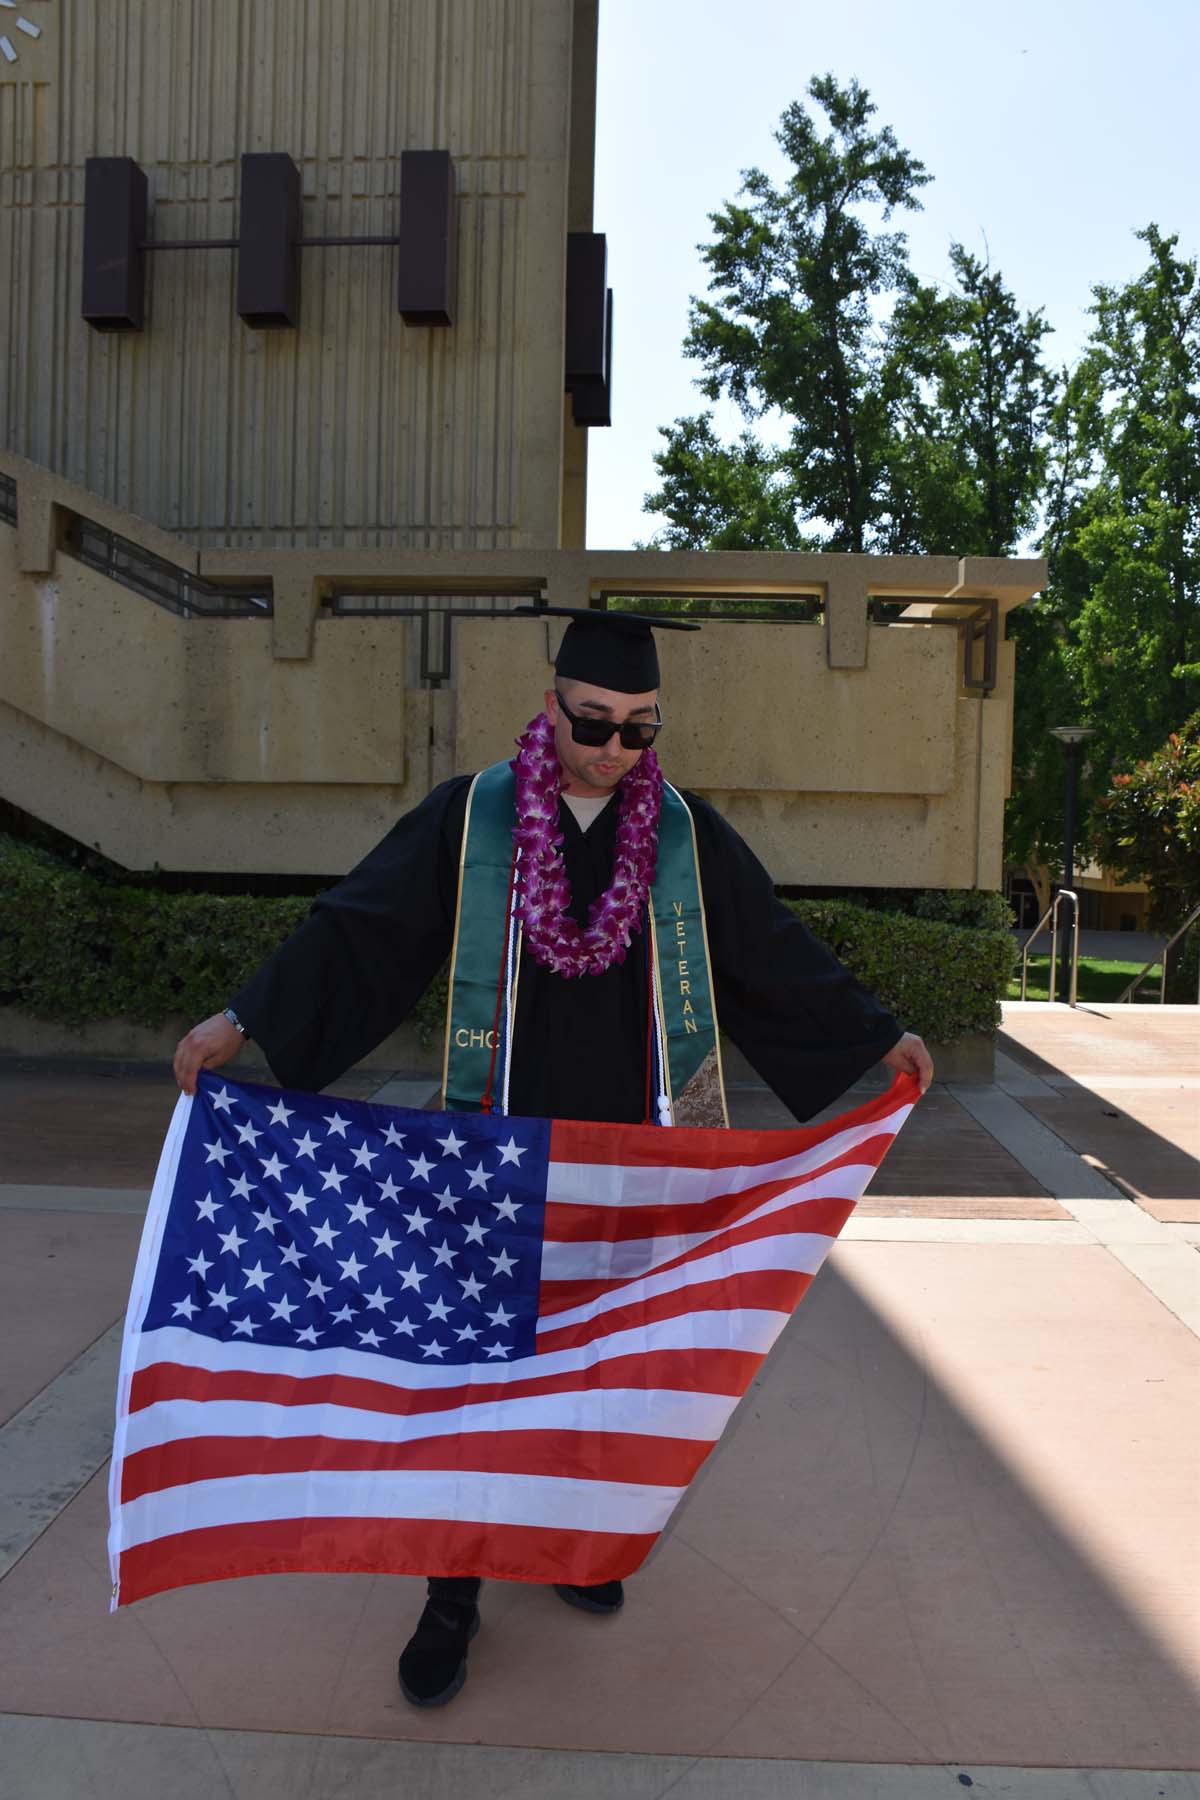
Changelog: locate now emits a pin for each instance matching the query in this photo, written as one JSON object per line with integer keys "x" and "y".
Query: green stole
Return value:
{"x": 683, "y": 979}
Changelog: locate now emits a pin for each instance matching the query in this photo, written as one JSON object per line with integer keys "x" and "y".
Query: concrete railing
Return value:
{"x": 287, "y": 739}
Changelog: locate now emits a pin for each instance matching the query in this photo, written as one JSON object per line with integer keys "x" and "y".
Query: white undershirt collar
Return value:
{"x": 586, "y": 812}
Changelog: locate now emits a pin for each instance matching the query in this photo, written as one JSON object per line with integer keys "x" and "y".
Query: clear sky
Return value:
{"x": 1056, "y": 127}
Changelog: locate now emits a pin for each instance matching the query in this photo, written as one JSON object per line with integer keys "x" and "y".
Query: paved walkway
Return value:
{"x": 949, "y": 1542}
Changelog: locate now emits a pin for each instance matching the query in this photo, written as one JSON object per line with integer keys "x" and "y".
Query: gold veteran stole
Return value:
{"x": 685, "y": 1013}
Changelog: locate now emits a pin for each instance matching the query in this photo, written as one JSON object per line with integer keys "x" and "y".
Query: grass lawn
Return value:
{"x": 1098, "y": 979}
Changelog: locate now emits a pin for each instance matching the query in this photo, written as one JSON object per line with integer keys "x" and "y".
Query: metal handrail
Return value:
{"x": 1051, "y": 913}
{"x": 1161, "y": 957}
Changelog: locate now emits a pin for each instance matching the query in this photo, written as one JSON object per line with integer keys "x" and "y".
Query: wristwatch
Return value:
{"x": 235, "y": 1021}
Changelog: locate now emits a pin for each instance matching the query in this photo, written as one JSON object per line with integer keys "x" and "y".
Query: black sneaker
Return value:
{"x": 433, "y": 1663}
{"x": 603, "y": 1597}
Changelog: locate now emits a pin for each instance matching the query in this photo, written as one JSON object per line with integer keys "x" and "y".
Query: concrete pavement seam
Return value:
{"x": 54, "y": 1758}
{"x": 54, "y": 1445}
{"x": 46, "y": 1197}
{"x": 1166, "y": 1266}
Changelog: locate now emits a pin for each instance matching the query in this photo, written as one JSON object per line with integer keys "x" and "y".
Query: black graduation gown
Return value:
{"x": 372, "y": 944}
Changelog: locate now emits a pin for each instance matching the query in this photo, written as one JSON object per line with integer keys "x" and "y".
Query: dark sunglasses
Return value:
{"x": 635, "y": 734}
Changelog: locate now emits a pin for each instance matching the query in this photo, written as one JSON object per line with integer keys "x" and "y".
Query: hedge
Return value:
{"x": 76, "y": 948}
{"x": 940, "y": 980}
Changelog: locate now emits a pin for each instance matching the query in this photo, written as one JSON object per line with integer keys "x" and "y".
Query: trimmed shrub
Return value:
{"x": 75, "y": 947}
{"x": 940, "y": 980}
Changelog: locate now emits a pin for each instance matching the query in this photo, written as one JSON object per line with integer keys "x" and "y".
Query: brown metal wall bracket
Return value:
{"x": 589, "y": 329}
{"x": 269, "y": 241}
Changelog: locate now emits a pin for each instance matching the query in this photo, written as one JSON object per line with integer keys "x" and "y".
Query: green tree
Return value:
{"x": 724, "y": 497}
{"x": 1046, "y": 691}
{"x": 1137, "y": 531}
{"x": 972, "y": 397}
{"x": 915, "y": 427}
{"x": 791, "y": 330}
{"x": 1115, "y": 640}
{"x": 1147, "y": 826}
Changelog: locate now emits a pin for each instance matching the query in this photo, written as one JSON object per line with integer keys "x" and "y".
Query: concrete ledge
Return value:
{"x": 970, "y": 1059}
{"x": 120, "y": 1040}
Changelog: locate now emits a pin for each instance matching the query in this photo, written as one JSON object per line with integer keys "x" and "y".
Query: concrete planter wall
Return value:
{"x": 969, "y": 1058}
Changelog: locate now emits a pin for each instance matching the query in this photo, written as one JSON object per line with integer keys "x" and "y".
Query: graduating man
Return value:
{"x": 599, "y": 924}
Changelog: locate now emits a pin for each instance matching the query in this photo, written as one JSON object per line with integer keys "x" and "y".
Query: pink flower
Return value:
{"x": 554, "y": 938}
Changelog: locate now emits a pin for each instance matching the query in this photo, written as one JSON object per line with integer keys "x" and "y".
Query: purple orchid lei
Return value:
{"x": 554, "y": 938}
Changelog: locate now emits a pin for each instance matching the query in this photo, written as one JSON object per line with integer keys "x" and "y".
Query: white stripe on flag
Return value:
{"x": 483, "y": 1498}
{"x": 603, "y": 1260}
{"x": 647, "y": 1412}
{"x": 613, "y": 1184}
{"x": 752, "y": 1330}
{"x": 803, "y": 1251}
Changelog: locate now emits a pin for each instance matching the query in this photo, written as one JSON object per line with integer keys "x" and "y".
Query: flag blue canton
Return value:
{"x": 303, "y": 1222}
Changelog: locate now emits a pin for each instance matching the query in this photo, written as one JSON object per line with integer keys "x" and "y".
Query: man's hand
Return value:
{"x": 908, "y": 1055}
{"x": 206, "y": 1046}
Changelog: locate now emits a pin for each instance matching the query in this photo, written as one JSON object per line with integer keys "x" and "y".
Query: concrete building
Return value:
{"x": 267, "y": 501}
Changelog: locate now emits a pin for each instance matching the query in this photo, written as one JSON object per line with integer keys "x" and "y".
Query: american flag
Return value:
{"x": 367, "y": 1338}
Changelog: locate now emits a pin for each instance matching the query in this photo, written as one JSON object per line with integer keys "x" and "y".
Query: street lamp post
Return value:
{"x": 1073, "y": 737}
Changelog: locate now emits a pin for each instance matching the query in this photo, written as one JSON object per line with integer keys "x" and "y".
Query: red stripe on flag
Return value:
{"x": 561, "y": 1296}
{"x": 579, "y": 1141}
{"x": 574, "y": 1222}
{"x": 540, "y": 1553}
{"x": 687, "y": 1371}
{"x": 582, "y": 1455}
{"x": 772, "y": 1290}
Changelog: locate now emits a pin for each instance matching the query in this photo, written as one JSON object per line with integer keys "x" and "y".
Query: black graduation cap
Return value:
{"x": 610, "y": 649}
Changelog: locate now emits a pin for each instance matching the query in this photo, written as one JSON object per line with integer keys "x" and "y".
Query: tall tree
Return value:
{"x": 972, "y": 398}
{"x": 914, "y": 418}
{"x": 1116, "y": 637}
{"x": 791, "y": 330}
